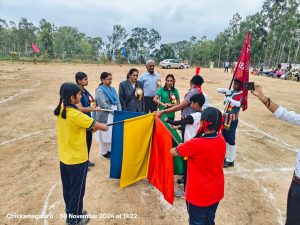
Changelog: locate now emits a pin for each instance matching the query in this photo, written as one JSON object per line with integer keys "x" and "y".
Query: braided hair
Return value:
{"x": 67, "y": 90}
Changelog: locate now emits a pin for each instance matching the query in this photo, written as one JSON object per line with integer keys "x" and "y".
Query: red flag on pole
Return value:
{"x": 242, "y": 70}
{"x": 35, "y": 48}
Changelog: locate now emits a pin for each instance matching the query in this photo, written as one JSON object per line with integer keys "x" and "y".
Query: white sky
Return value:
{"x": 174, "y": 20}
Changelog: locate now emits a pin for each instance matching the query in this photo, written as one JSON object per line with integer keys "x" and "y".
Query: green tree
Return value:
{"x": 45, "y": 36}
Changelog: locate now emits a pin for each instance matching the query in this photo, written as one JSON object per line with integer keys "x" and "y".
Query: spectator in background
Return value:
{"x": 226, "y": 66}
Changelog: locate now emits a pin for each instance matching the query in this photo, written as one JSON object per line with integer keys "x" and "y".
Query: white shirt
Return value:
{"x": 191, "y": 129}
{"x": 293, "y": 118}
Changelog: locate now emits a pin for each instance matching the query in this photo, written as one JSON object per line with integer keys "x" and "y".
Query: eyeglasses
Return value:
{"x": 169, "y": 80}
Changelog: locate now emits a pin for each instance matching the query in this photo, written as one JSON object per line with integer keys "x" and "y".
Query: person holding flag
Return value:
{"x": 234, "y": 100}
{"x": 196, "y": 88}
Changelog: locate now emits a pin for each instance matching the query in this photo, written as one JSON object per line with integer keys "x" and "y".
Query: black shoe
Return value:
{"x": 90, "y": 164}
{"x": 109, "y": 153}
{"x": 106, "y": 156}
{"x": 180, "y": 180}
{"x": 228, "y": 164}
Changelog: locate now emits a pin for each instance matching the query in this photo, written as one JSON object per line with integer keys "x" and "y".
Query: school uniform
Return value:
{"x": 73, "y": 156}
{"x": 231, "y": 115}
{"x": 205, "y": 178}
{"x": 86, "y": 102}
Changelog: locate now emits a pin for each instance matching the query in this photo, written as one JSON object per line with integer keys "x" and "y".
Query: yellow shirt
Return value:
{"x": 71, "y": 135}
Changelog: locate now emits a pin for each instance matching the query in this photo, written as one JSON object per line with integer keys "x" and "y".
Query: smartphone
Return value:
{"x": 249, "y": 86}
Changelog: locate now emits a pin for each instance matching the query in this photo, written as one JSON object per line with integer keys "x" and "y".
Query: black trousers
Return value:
{"x": 202, "y": 215}
{"x": 149, "y": 105}
{"x": 293, "y": 205}
{"x": 73, "y": 179}
{"x": 89, "y": 138}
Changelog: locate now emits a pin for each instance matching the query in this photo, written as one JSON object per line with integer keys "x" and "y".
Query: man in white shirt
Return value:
{"x": 293, "y": 202}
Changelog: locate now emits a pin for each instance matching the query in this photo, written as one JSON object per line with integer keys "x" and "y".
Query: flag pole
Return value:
{"x": 121, "y": 121}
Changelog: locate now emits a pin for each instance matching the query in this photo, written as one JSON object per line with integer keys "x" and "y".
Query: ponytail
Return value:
{"x": 57, "y": 110}
{"x": 64, "y": 112}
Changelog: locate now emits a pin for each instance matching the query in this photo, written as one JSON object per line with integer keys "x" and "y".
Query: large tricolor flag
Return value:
{"x": 141, "y": 149}
{"x": 242, "y": 70}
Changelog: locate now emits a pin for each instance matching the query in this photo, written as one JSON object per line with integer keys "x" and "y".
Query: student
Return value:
{"x": 72, "y": 150}
{"x": 196, "y": 88}
{"x": 205, "y": 182}
{"x": 167, "y": 96}
{"x": 233, "y": 101}
{"x": 192, "y": 121}
{"x": 86, "y": 105}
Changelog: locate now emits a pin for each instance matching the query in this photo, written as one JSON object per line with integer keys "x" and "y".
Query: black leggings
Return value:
{"x": 89, "y": 138}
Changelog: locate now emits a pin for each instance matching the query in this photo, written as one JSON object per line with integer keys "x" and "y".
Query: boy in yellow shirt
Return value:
{"x": 72, "y": 150}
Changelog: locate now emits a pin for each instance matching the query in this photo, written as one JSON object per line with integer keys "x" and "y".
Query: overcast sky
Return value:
{"x": 175, "y": 20}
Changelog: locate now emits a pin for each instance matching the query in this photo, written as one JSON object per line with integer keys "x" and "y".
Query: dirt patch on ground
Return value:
{"x": 256, "y": 188}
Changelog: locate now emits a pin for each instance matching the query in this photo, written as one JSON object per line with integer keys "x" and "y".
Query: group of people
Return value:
{"x": 288, "y": 73}
{"x": 209, "y": 135}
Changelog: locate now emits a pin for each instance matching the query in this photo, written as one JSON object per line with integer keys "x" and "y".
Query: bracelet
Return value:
{"x": 268, "y": 102}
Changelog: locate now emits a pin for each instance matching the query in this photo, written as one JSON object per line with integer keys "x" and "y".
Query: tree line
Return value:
{"x": 275, "y": 38}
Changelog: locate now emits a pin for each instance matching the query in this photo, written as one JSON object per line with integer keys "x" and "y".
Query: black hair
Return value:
{"x": 173, "y": 87}
{"x": 197, "y": 80}
{"x": 103, "y": 76}
{"x": 237, "y": 81}
{"x": 198, "y": 98}
{"x": 66, "y": 91}
{"x": 131, "y": 71}
{"x": 213, "y": 117}
{"x": 80, "y": 76}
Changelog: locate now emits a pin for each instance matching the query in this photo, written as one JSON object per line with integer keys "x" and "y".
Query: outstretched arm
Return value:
{"x": 272, "y": 106}
{"x": 279, "y": 112}
{"x": 175, "y": 108}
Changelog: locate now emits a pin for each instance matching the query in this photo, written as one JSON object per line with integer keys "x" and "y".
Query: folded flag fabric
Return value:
{"x": 141, "y": 149}
{"x": 178, "y": 161}
{"x": 136, "y": 149}
{"x": 160, "y": 172}
{"x": 117, "y": 142}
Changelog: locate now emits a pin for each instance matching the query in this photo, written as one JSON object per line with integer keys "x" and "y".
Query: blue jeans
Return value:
{"x": 201, "y": 215}
{"x": 229, "y": 135}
